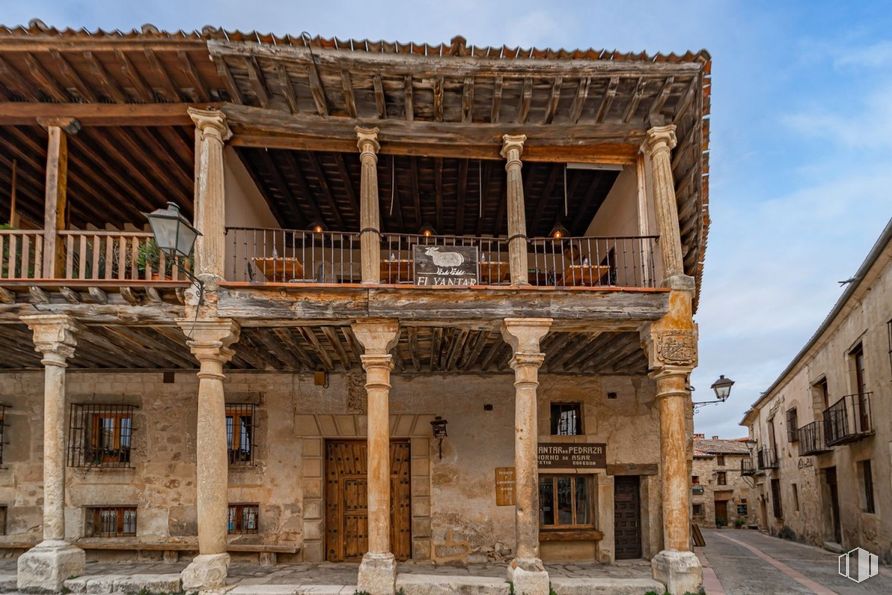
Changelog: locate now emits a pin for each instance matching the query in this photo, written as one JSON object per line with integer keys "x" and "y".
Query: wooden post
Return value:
{"x": 369, "y": 213}
{"x": 512, "y": 147}
{"x": 658, "y": 147}
{"x": 56, "y": 192}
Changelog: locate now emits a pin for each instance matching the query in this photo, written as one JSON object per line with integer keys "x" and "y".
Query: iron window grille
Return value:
{"x": 243, "y": 519}
{"x": 721, "y": 478}
{"x": 240, "y": 426}
{"x": 100, "y": 435}
{"x": 110, "y": 521}
{"x": 566, "y": 419}
{"x": 2, "y": 430}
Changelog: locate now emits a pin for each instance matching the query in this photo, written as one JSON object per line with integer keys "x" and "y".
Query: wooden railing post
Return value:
{"x": 55, "y": 195}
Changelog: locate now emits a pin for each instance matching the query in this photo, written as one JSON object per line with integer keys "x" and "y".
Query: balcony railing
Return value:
{"x": 811, "y": 439}
{"x": 292, "y": 256}
{"x": 848, "y": 419}
{"x": 766, "y": 459}
{"x": 21, "y": 254}
{"x": 697, "y": 490}
{"x": 747, "y": 467}
{"x": 593, "y": 261}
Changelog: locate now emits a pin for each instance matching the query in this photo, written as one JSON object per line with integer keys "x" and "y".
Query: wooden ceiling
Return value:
{"x": 420, "y": 350}
{"x": 305, "y": 187}
{"x": 114, "y": 173}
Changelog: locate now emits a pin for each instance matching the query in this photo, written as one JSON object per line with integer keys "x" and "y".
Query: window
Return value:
{"x": 792, "y": 425}
{"x": 776, "y": 499}
{"x": 867, "y": 485}
{"x": 100, "y": 435}
{"x": 2, "y": 431}
{"x": 823, "y": 393}
{"x": 860, "y": 380}
{"x": 698, "y": 510}
{"x": 720, "y": 460}
{"x": 695, "y": 480}
{"x": 722, "y": 478}
{"x": 3, "y": 511}
{"x": 795, "y": 497}
{"x": 772, "y": 439}
{"x": 111, "y": 521}
{"x": 566, "y": 419}
{"x": 741, "y": 507}
{"x": 565, "y": 501}
{"x": 243, "y": 518}
{"x": 240, "y": 433}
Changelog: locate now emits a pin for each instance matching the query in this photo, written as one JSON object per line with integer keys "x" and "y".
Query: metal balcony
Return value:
{"x": 848, "y": 420}
{"x": 747, "y": 467}
{"x": 697, "y": 490}
{"x": 767, "y": 459}
{"x": 811, "y": 439}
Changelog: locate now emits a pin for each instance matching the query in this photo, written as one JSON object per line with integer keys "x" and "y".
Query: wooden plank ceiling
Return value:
{"x": 420, "y": 350}
{"x": 306, "y": 187}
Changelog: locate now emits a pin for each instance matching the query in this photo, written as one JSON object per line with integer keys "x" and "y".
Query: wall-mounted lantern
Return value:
{"x": 722, "y": 389}
{"x": 438, "y": 426}
{"x": 175, "y": 235}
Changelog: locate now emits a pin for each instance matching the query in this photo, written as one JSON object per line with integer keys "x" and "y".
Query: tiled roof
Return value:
{"x": 720, "y": 446}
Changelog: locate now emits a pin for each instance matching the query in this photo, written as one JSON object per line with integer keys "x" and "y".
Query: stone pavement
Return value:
{"x": 747, "y": 562}
{"x": 416, "y": 578}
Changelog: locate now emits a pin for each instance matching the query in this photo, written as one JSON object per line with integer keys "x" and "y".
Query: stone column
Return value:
{"x": 45, "y": 566}
{"x": 369, "y": 215}
{"x": 658, "y": 147}
{"x": 526, "y": 571}
{"x": 210, "y": 342}
{"x": 672, "y": 353}
{"x": 512, "y": 147}
{"x": 377, "y": 572}
{"x": 211, "y": 132}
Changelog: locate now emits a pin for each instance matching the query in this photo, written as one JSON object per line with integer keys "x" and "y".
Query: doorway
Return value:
{"x": 721, "y": 513}
{"x": 833, "y": 492}
{"x": 627, "y": 516}
{"x": 346, "y": 500}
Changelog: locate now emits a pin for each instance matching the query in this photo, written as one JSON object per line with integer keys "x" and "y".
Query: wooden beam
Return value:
{"x": 349, "y": 189}
{"x": 607, "y": 99}
{"x": 12, "y": 78}
{"x": 318, "y": 91}
{"x": 438, "y": 99}
{"x": 467, "y": 100}
{"x": 380, "y": 101}
{"x": 660, "y": 100}
{"x": 143, "y": 90}
{"x": 287, "y": 88}
{"x": 39, "y": 73}
{"x": 347, "y": 88}
{"x": 553, "y": 100}
{"x": 495, "y": 111}
{"x": 98, "y": 114}
{"x": 105, "y": 79}
{"x": 413, "y": 348}
{"x": 632, "y": 106}
{"x": 326, "y": 189}
{"x": 579, "y": 100}
{"x": 257, "y": 82}
{"x": 438, "y": 192}
{"x": 409, "y": 109}
{"x": 201, "y": 93}
{"x": 74, "y": 79}
{"x": 526, "y": 98}
{"x": 55, "y": 197}
{"x": 170, "y": 89}
{"x": 461, "y": 196}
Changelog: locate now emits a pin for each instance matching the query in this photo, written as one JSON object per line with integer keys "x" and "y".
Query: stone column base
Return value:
{"x": 47, "y": 565}
{"x": 679, "y": 571}
{"x": 206, "y": 572}
{"x": 528, "y": 576}
{"x": 377, "y": 574}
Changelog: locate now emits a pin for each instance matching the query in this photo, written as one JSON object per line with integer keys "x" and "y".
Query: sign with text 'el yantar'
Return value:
{"x": 445, "y": 265}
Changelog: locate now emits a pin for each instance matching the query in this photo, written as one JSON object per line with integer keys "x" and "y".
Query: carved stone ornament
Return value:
{"x": 676, "y": 348}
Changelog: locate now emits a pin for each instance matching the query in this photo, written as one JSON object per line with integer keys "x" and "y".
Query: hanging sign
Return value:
{"x": 445, "y": 265}
{"x": 576, "y": 455}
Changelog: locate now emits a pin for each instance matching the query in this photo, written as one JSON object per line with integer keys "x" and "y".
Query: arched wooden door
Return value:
{"x": 346, "y": 500}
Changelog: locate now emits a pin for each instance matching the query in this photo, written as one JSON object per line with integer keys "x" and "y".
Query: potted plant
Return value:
{"x": 148, "y": 257}
{"x": 739, "y": 523}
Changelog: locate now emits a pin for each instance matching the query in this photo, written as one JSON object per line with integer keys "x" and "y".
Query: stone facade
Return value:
{"x": 716, "y": 480}
{"x": 848, "y": 355}
{"x": 455, "y": 518}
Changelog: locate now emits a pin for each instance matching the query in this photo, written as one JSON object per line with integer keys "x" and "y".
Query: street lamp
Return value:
{"x": 722, "y": 388}
{"x": 176, "y": 236}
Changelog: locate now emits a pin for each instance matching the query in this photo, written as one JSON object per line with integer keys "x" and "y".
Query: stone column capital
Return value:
{"x": 54, "y": 336}
{"x": 521, "y": 359}
{"x": 524, "y": 334}
{"x": 659, "y": 138}
{"x": 377, "y": 337}
{"x": 210, "y": 123}
{"x": 510, "y": 144}
{"x": 367, "y": 140}
{"x": 210, "y": 340}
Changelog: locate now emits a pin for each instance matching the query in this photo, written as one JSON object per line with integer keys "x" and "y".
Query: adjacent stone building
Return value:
{"x": 721, "y": 496}
{"x": 440, "y": 307}
{"x": 823, "y": 430}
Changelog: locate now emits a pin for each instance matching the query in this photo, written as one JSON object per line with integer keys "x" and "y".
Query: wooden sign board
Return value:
{"x": 504, "y": 486}
{"x": 578, "y": 455}
{"x": 445, "y": 265}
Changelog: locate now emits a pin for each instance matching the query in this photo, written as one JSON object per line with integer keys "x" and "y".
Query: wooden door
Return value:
{"x": 627, "y": 516}
{"x": 830, "y": 474}
{"x": 721, "y": 513}
{"x": 346, "y": 500}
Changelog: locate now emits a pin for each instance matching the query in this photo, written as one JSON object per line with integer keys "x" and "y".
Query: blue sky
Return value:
{"x": 800, "y": 147}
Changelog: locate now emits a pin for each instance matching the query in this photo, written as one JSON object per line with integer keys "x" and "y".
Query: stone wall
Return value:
{"x": 454, "y": 513}
{"x": 737, "y": 490}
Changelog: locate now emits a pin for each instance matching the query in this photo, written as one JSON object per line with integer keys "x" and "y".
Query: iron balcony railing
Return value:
{"x": 767, "y": 459}
{"x": 747, "y": 467}
{"x": 697, "y": 490}
{"x": 848, "y": 419}
{"x": 264, "y": 255}
{"x": 811, "y": 439}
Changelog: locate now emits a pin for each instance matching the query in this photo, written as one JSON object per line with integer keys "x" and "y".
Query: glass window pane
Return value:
{"x": 245, "y": 437}
{"x": 125, "y": 432}
{"x": 130, "y": 522}
{"x": 231, "y": 523}
{"x": 250, "y": 518}
{"x": 546, "y": 501}
{"x": 565, "y": 502}
{"x": 583, "y": 505}
{"x": 229, "y": 423}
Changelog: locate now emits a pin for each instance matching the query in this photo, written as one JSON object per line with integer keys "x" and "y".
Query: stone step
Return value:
{"x": 125, "y": 584}
{"x": 292, "y": 590}
{"x": 605, "y": 586}
{"x": 445, "y": 584}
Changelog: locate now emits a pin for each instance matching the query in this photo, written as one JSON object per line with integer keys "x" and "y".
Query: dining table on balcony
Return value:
{"x": 399, "y": 270}
{"x": 279, "y": 269}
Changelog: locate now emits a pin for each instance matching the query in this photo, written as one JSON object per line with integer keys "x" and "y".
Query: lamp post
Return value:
{"x": 722, "y": 389}
{"x": 175, "y": 235}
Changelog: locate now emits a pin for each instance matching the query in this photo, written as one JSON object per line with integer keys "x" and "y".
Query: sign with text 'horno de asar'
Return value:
{"x": 445, "y": 265}
{"x": 572, "y": 455}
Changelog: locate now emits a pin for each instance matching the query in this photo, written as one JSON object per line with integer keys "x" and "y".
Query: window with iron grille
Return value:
{"x": 110, "y": 521}
{"x": 240, "y": 433}
{"x": 720, "y": 460}
{"x": 2, "y": 430}
{"x": 100, "y": 435}
{"x": 698, "y": 510}
{"x": 566, "y": 419}
{"x": 243, "y": 518}
{"x": 792, "y": 425}
{"x": 721, "y": 478}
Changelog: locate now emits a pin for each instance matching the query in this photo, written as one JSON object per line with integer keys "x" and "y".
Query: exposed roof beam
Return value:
{"x": 99, "y": 114}
{"x": 257, "y": 82}
{"x": 105, "y": 79}
{"x": 349, "y": 99}
{"x": 186, "y": 62}
{"x": 139, "y": 84}
{"x": 170, "y": 89}
{"x": 553, "y": 99}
